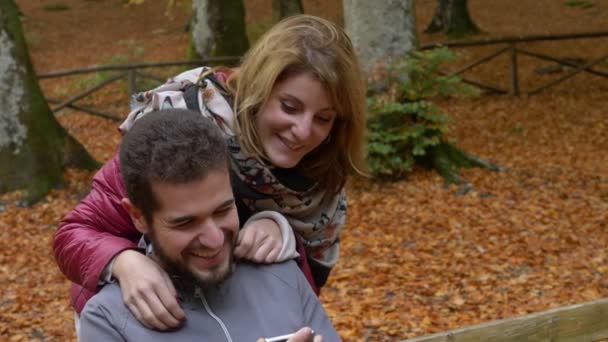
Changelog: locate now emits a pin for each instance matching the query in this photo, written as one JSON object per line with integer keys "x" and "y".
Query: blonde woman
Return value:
{"x": 294, "y": 117}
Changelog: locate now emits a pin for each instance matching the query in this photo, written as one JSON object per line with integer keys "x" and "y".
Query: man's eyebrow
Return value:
{"x": 226, "y": 203}
{"x": 182, "y": 219}
{"x": 178, "y": 220}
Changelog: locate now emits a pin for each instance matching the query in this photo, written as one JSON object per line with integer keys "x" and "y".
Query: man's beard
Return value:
{"x": 180, "y": 273}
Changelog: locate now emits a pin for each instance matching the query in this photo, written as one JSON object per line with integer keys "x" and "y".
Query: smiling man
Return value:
{"x": 175, "y": 167}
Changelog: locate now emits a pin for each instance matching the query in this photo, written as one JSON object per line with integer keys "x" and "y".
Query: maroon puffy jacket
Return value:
{"x": 93, "y": 232}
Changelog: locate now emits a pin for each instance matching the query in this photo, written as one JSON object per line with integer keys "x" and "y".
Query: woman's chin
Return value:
{"x": 284, "y": 163}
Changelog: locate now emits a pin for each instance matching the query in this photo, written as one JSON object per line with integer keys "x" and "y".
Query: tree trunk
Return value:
{"x": 380, "y": 29}
{"x": 285, "y": 8}
{"x": 34, "y": 148}
{"x": 218, "y": 29}
{"x": 201, "y": 41}
{"x": 452, "y": 17}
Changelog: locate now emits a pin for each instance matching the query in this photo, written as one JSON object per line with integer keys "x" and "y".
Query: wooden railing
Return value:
{"x": 132, "y": 72}
{"x": 586, "y": 322}
{"x": 513, "y": 50}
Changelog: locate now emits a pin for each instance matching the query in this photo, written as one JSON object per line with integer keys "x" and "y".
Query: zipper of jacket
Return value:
{"x": 200, "y": 294}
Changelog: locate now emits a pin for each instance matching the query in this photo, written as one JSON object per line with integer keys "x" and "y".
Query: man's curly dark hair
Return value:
{"x": 174, "y": 146}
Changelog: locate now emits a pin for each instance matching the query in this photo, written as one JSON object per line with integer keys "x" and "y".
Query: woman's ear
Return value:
{"x": 136, "y": 215}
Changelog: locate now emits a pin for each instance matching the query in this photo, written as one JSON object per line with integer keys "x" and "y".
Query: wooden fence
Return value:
{"x": 514, "y": 51}
{"x": 134, "y": 71}
{"x": 586, "y": 322}
{"x": 130, "y": 72}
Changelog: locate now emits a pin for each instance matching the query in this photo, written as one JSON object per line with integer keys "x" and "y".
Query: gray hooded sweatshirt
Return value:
{"x": 255, "y": 301}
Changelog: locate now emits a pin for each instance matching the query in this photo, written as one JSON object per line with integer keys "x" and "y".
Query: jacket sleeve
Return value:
{"x": 96, "y": 230}
{"x": 288, "y": 250}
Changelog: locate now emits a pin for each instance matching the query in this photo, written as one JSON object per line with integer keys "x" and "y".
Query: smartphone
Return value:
{"x": 282, "y": 338}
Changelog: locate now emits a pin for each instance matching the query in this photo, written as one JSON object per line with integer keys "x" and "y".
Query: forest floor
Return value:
{"x": 417, "y": 257}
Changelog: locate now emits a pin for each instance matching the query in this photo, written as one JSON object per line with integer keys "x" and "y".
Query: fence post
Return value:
{"x": 514, "y": 74}
{"x": 132, "y": 77}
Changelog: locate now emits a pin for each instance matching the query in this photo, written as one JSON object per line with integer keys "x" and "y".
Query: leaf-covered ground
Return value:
{"x": 417, "y": 257}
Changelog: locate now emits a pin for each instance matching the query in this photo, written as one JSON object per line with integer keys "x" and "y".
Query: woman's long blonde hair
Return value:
{"x": 306, "y": 44}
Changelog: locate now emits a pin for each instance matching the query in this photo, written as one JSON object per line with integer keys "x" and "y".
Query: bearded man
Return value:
{"x": 174, "y": 164}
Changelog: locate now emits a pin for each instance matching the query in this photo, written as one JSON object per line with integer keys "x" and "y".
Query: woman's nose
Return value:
{"x": 302, "y": 127}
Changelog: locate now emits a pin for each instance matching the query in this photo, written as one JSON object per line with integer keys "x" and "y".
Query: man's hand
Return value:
{"x": 303, "y": 335}
{"x": 259, "y": 241}
{"x": 147, "y": 291}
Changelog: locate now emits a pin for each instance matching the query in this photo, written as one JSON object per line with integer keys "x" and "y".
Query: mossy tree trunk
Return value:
{"x": 34, "y": 148}
{"x": 452, "y": 17}
{"x": 285, "y": 8}
{"x": 380, "y": 29}
{"x": 218, "y": 29}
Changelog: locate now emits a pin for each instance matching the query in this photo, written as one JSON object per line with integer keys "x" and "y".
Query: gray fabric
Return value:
{"x": 256, "y": 301}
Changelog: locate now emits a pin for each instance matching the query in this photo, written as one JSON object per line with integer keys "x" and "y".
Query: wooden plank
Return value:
{"x": 514, "y": 73}
{"x": 136, "y": 66}
{"x": 132, "y": 81}
{"x": 88, "y": 110}
{"x": 479, "y": 61}
{"x": 568, "y": 75}
{"x": 87, "y": 92}
{"x": 514, "y": 39}
{"x": 483, "y": 86}
{"x": 560, "y": 61}
{"x": 575, "y": 323}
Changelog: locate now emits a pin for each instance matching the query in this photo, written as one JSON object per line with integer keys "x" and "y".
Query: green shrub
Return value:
{"x": 403, "y": 123}
{"x": 584, "y": 4}
{"x": 56, "y": 7}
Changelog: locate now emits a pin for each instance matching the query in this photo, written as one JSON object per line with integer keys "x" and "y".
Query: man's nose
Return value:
{"x": 212, "y": 236}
